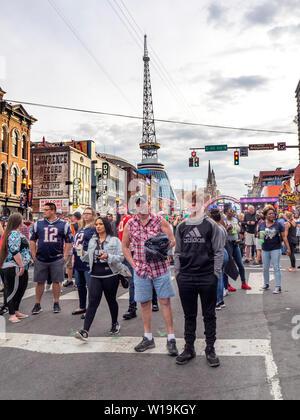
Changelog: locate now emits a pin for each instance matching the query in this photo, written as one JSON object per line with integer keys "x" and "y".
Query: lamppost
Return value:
{"x": 26, "y": 195}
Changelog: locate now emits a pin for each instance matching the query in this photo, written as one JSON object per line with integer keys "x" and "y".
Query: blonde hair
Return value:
{"x": 267, "y": 209}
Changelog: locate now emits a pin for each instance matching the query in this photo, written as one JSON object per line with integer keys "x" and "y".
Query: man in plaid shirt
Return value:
{"x": 141, "y": 227}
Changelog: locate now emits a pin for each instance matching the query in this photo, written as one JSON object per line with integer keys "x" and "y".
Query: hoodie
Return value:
{"x": 199, "y": 249}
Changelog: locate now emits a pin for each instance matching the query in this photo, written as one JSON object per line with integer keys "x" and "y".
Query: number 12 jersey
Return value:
{"x": 51, "y": 237}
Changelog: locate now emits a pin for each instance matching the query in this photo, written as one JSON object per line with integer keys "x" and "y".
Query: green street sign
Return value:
{"x": 217, "y": 148}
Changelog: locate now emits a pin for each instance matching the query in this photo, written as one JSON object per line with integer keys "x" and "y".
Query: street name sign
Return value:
{"x": 268, "y": 146}
{"x": 217, "y": 148}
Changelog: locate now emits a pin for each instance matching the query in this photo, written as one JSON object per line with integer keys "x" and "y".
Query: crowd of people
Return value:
{"x": 206, "y": 246}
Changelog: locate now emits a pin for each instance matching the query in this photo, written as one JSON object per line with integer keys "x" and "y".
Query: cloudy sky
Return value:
{"x": 229, "y": 63}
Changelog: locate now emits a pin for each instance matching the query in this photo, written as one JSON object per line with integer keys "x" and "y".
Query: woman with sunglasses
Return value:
{"x": 105, "y": 259}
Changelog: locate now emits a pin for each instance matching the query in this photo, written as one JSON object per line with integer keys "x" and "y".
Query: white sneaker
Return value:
{"x": 226, "y": 293}
{"x": 277, "y": 290}
{"x": 48, "y": 287}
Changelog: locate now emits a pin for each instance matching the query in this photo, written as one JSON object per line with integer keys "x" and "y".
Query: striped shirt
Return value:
{"x": 138, "y": 235}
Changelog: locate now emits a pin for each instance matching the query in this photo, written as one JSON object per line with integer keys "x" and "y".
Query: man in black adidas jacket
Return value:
{"x": 198, "y": 264}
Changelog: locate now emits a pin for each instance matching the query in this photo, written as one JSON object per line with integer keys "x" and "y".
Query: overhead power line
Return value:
{"x": 88, "y": 50}
{"x": 134, "y": 117}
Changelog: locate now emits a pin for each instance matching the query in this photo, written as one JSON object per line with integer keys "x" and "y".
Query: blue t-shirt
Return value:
{"x": 51, "y": 237}
{"x": 272, "y": 237}
{"x": 82, "y": 237}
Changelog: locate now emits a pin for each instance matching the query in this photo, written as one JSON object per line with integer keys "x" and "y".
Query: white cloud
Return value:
{"x": 233, "y": 61}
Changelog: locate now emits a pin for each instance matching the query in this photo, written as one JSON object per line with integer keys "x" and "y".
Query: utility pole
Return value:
{"x": 298, "y": 116}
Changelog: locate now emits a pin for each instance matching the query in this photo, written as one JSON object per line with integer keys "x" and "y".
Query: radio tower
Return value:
{"x": 149, "y": 145}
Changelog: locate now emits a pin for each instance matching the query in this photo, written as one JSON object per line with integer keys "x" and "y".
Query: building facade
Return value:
{"x": 15, "y": 125}
{"x": 62, "y": 173}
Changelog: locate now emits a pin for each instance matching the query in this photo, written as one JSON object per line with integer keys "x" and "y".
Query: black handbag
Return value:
{"x": 124, "y": 281}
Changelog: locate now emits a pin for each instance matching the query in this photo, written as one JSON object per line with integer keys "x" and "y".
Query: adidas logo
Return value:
{"x": 194, "y": 237}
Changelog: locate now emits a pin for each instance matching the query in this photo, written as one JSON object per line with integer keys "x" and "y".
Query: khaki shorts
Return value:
{"x": 258, "y": 244}
{"x": 250, "y": 239}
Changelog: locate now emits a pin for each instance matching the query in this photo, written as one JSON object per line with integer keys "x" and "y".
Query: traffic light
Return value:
{"x": 196, "y": 160}
{"x": 236, "y": 158}
{"x": 194, "y": 154}
{"x": 191, "y": 162}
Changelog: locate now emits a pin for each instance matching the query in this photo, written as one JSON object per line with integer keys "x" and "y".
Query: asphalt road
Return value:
{"x": 260, "y": 359}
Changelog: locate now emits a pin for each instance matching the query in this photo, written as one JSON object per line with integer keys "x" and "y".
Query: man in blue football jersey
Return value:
{"x": 50, "y": 253}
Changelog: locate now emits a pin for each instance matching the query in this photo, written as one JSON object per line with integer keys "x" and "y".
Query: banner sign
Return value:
{"x": 50, "y": 173}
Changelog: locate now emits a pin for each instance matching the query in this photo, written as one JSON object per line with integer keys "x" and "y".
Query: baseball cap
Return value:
{"x": 143, "y": 199}
{"x": 59, "y": 211}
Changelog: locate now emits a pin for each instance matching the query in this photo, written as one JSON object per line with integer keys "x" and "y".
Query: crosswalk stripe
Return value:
{"x": 68, "y": 345}
{"x": 256, "y": 281}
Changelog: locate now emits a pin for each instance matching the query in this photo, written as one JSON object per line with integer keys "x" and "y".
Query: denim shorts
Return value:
{"x": 143, "y": 287}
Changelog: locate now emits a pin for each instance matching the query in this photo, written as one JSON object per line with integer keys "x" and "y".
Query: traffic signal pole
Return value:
{"x": 238, "y": 147}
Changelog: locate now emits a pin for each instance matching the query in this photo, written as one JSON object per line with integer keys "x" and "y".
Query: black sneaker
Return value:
{"x": 155, "y": 308}
{"x": 81, "y": 335}
{"x": 265, "y": 287}
{"x": 246, "y": 262}
{"x": 37, "y": 309}
{"x": 129, "y": 315}
{"x": 56, "y": 308}
{"x": 115, "y": 329}
{"x": 3, "y": 310}
{"x": 187, "y": 355}
{"x": 171, "y": 346}
{"x": 68, "y": 283}
{"x": 277, "y": 290}
{"x": 144, "y": 345}
{"x": 211, "y": 357}
{"x": 218, "y": 306}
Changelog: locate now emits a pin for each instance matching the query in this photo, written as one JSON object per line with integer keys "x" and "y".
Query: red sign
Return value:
{"x": 61, "y": 204}
{"x": 281, "y": 146}
{"x": 268, "y": 146}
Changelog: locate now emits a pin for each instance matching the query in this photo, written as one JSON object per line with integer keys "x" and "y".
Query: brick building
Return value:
{"x": 15, "y": 126}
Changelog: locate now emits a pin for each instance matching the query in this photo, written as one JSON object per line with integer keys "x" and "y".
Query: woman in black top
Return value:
{"x": 291, "y": 230}
{"x": 103, "y": 250}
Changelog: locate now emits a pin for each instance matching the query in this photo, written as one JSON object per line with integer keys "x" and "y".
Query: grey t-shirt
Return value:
{"x": 233, "y": 235}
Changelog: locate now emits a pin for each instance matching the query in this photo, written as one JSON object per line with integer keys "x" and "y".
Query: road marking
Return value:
{"x": 256, "y": 281}
{"x": 124, "y": 296}
{"x": 260, "y": 268}
{"x": 69, "y": 345}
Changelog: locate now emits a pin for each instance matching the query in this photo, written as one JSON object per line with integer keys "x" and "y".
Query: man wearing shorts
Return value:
{"x": 250, "y": 223}
{"x": 49, "y": 254}
{"x": 141, "y": 227}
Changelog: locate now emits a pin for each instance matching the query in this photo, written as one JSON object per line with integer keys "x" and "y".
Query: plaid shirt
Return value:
{"x": 138, "y": 236}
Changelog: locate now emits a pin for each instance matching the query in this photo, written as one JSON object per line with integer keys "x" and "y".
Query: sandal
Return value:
{"x": 22, "y": 316}
{"x": 14, "y": 320}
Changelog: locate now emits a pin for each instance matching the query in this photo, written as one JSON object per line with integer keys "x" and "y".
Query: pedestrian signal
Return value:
{"x": 191, "y": 162}
{"x": 236, "y": 158}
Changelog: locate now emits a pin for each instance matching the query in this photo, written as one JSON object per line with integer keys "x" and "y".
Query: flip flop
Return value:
{"x": 22, "y": 316}
{"x": 15, "y": 321}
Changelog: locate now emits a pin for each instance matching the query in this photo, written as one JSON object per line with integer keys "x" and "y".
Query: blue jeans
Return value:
{"x": 237, "y": 256}
{"x": 82, "y": 282}
{"x": 272, "y": 257}
{"x": 220, "y": 295}
{"x": 132, "y": 302}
